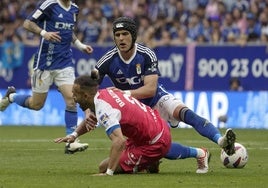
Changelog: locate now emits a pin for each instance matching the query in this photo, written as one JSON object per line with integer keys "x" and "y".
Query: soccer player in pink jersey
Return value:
{"x": 140, "y": 137}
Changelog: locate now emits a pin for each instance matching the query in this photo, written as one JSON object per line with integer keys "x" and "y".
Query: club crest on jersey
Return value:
{"x": 138, "y": 68}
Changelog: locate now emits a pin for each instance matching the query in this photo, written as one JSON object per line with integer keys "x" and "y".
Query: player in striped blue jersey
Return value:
{"x": 133, "y": 68}
{"x": 54, "y": 21}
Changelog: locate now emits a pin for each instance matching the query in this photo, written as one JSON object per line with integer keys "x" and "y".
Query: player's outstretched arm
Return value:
{"x": 69, "y": 138}
{"x": 118, "y": 145}
{"x": 81, "y": 129}
{"x": 110, "y": 165}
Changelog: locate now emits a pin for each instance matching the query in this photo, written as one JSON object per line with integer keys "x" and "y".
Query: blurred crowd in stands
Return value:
{"x": 161, "y": 22}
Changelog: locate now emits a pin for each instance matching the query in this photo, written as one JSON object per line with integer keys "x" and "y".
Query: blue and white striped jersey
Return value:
{"x": 52, "y": 16}
{"x": 130, "y": 75}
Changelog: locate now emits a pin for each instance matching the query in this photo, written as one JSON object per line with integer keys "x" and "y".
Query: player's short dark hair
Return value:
{"x": 126, "y": 23}
{"x": 88, "y": 81}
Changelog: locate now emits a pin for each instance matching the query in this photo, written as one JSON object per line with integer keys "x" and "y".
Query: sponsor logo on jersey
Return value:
{"x": 63, "y": 25}
{"x": 153, "y": 67}
{"x": 131, "y": 81}
{"x": 119, "y": 72}
{"x": 103, "y": 119}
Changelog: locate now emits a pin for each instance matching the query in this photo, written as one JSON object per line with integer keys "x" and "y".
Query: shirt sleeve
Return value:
{"x": 101, "y": 74}
{"x": 151, "y": 64}
{"x": 107, "y": 116}
{"x": 39, "y": 13}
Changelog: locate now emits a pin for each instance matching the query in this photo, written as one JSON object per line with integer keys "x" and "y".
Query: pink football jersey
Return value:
{"x": 137, "y": 121}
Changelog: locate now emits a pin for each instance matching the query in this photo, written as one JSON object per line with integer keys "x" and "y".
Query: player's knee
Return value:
{"x": 37, "y": 106}
{"x": 34, "y": 103}
{"x": 70, "y": 101}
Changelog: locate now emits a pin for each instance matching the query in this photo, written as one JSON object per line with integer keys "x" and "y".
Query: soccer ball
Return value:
{"x": 238, "y": 160}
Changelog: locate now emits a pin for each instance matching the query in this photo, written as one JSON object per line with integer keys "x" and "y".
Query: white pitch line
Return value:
{"x": 55, "y": 149}
{"x": 42, "y": 140}
{"x": 257, "y": 145}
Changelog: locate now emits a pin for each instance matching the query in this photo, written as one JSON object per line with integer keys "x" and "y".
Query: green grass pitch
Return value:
{"x": 30, "y": 159}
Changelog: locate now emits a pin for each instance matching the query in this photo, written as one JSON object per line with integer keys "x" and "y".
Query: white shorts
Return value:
{"x": 42, "y": 80}
{"x": 166, "y": 106}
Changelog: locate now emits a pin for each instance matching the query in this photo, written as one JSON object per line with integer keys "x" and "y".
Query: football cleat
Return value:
{"x": 4, "y": 102}
{"x": 228, "y": 142}
{"x": 74, "y": 147}
{"x": 202, "y": 162}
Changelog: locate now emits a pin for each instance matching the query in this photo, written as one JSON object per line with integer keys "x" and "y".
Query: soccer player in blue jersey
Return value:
{"x": 54, "y": 21}
{"x": 133, "y": 68}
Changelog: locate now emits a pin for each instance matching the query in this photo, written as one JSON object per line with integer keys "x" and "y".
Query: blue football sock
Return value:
{"x": 178, "y": 151}
{"x": 21, "y": 100}
{"x": 202, "y": 126}
{"x": 70, "y": 121}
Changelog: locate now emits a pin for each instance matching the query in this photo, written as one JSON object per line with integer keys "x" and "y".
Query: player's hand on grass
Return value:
{"x": 68, "y": 138}
{"x": 100, "y": 174}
